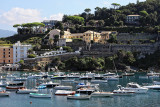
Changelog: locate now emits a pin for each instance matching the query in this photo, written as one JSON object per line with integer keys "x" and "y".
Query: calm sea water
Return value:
{"x": 150, "y": 99}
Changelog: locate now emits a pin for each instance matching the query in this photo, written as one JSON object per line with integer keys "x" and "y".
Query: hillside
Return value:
{"x": 6, "y": 33}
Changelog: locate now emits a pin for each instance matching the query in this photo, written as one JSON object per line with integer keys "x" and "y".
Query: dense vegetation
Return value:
{"x": 121, "y": 60}
{"x": 115, "y": 18}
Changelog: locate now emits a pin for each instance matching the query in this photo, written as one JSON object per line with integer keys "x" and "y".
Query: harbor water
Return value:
{"x": 150, "y": 99}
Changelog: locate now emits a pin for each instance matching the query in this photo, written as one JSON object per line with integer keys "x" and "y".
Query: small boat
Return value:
{"x": 3, "y": 84}
{"x": 111, "y": 78}
{"x": 88, "y": 91}
{"x": 102, "y": 94}
{"x": 20, "y": 79}
{"x": 99, "y": 81}
{"x": 15, "y": 83}
{"x": 136, "y": 88}
{"x": 122, "y": 91}
{"x": 41, "y": 87}
{"x": 63, "y": 87}
{"x": 4, "y": 93}
{"x": 98, "y": 76}
{"x": 127, "y": 74}
{"x": 50, "y": 84}
{"x": 68, "y": 80}
{"x": 78, "y": 97}
{"x": 2, "y": 78}
{"x": 85, "y": 78}
{"x": 11, "y": 88}
{"x": 156, "y": 82}
{"x": 153, "y": 87}
{"x": 109, "y": 74}
{"x": 26, "y": 91}
{"x": 39, "y": 95}
{"x": 82, "y": 85}
{"x": 64, "y": 92}
{"x": 58, "y": 77}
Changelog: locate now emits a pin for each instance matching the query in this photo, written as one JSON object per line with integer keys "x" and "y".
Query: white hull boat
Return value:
{"x": 26, "y": 91}
{"x": 136, "y": 88}
{"x": 4, "y": 93}
{"x": 63, "y": 87}
{"x": 78, "y": 97}
{"x": 38, "y": 95}
{"x": 156, "y": 82}
{"x": 102, "y": 94}
{"x": 99, "y": 81}
{"x": 153, "y": 87}
{"x": 64, "y": 92}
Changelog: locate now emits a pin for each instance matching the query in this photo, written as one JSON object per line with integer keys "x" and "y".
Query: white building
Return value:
{"x": 20, "y": 51}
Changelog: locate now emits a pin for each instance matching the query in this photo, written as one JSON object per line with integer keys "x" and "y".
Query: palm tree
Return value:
{"x": 30, "y": 51}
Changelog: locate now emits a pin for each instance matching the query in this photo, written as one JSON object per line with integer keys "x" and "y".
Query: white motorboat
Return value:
{"x": 2, "y": 78}
{"x": 15, "y": 83}
{"x": 111, "y": 78}
{"x": 63, "y": 87}
{"x": 109, "y": 74}
{"x": 98, "y": 76}
{"x": 4, "y": 93}
{"x": 99, "y": 81}
{"x": 3, "y": 84}
{"x": 20, "y": 79}
{"x": 136, "y": 87}
{"x": 127, "y": 74}
{"x": 153, "y": 87}
{"x": 49, "y": 84}
{"x": 64, "y": 92}
{"x": 78, "y": 97}
{"x": 82, "y": 85}
{"x": 85, "y": 77}
{"x": 156, "y": 82}
{"x": 26, "y": 91}
{"x": 102, "y": 94}
{"x": 122, "y": 91}
{"x": 39, "y": 95}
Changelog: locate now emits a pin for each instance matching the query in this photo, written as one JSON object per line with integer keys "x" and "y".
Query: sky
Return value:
{"x": 25, "y": 11}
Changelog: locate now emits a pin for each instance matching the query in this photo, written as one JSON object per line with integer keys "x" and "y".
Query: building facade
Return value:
{"x": 49, "y": 23}
{"x": 132, "y": 19}
{"x": 6, "y": 55}
{"x": 20, "y": 51}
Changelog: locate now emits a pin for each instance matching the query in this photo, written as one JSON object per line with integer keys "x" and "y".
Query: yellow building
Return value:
{"x": 91, "y": 36}
{"x": 6, "y": 55}
{"x": 104, "y": 37}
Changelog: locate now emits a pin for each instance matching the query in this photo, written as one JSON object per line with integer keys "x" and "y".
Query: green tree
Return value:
{"x": 31, "y": 56}
{"x": 115, "y": 5}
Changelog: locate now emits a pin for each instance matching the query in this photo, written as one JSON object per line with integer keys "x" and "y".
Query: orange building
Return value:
{"x": 6, "y": 55}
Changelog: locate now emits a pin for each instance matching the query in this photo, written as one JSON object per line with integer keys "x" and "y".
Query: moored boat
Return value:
{"x": 26, "y": 91}
{"x": 39, "y": 95}
{"x": 63, "y": 87}
{"x": 4, "y": 93}
{"x": 78, "y": 97}
{"x": 11, "y": 88}
{"x": 64, "y": 92}
{"x": 102, "y": 94}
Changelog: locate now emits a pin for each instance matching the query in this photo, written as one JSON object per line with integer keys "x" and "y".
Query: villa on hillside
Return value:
{"x": 133, "y": 19}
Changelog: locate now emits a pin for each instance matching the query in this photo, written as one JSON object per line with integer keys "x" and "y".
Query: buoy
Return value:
{"x": 31, "y": 102}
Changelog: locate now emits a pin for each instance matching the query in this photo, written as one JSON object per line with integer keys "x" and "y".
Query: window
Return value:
{"x": 9, "y": 49}
{"x": 3, "y": 61}
{"x": 3, "y": 52}
{"x": 3, "y": 49}
{"x": 9, "y": 61}
{"x": 9, "y": 52}
{"x": 9, "y": 56}
{"x": 3, "y": 56}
